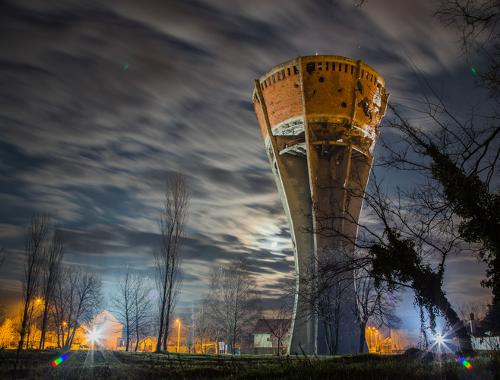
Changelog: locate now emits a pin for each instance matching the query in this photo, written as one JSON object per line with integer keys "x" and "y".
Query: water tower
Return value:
{"x": 319, "y": 118}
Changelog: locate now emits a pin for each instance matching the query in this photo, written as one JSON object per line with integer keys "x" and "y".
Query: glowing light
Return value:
{"x": 465, "y": 363}
{"x": 439, "y": 339}
{"x": 94, "y": 335}
{"x": 125, "y": 66}
{"x": 473, "y": 70}
{"x": 59, "y": 360}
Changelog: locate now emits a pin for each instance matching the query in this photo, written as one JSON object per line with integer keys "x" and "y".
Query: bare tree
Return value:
{"x": 51, "y": 265}
{"x": 168, "y": 257}
{"x": 279, "y": 322}
{"x": 203, "y": 323}
{"x": 76, "y": 299}
{"x": 233, "y": 300}
{"x": 124, "y": 302}
{"x": 332, "y": 297}
{"x": 35, "y": 238}
{"x": 477, "y": 22}
{"x": 374, "y": 304}
{"x": 411, "y": 251}
{"x": 141, "y": 308}
{"x": 458, "y": 155}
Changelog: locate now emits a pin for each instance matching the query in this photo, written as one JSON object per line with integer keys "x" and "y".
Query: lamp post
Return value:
{"x": 178, "y": 334}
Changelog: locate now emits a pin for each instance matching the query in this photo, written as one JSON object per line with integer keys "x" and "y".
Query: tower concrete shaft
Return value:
{"x": 319, "y": 118}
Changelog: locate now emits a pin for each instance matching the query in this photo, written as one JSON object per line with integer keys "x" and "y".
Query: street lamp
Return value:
{"x": 178, "y": 334}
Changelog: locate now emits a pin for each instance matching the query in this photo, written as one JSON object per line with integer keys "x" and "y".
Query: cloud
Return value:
{"x": 102, "y": 100}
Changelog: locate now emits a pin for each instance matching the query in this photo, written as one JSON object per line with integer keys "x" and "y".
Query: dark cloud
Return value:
{"x": 101, "y": 100}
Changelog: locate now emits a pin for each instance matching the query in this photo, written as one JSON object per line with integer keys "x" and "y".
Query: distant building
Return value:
{"x": 109, "y": 330}
{"x": 271, "y": 335}
{"x": 386, "y": 342}
{"x": 481, "y": 338}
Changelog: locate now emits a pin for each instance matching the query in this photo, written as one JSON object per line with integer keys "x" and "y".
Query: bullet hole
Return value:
{"x": 321, "y": 79}
{"x": 296, "y": 85}
{"x": 365, "y": 105}
{"x": 343, "y": 104}
{"x": 339, "y": 90}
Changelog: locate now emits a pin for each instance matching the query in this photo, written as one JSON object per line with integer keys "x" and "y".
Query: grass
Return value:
{"x": 122, "y": 365}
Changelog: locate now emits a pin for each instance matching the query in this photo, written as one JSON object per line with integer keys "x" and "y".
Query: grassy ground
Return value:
{"x": 121, "y": 365}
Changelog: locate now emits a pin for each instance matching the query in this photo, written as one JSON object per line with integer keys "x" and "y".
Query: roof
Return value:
{"x": 266, "y": 326}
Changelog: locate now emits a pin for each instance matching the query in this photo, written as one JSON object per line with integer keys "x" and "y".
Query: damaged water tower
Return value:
{"x": 319, "y": 117}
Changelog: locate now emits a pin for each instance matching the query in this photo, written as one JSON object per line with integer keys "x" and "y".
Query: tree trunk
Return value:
{"x": 167, "y": 327}
{"x": 136, "y": 331}
{"x": 23, "y": 328}
{"x": 162, "y": 315}
{"x": 44, "y": 325}
{"x": 127, "y": 335}
{"x": 362, "y": 328}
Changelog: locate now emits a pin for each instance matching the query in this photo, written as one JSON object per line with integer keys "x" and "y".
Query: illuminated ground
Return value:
{"x": 120, "y": 365}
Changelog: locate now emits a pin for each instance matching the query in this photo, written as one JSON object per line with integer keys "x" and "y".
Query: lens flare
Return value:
{"x": 59, "y": 360}
{"x": 439, "y": 339}
{"x": 465, "y": 363}
{"x": 94, "y": 335}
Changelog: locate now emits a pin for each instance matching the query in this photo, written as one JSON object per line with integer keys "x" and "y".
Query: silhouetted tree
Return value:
{"x": 123, "y": 304}
{"x": 478, "y": 25}
{"x": 51, "y": 266}
{"x": 233, "y": 300}
{"x": 374, "y": 304}
{"x": 279, "y": 322}
{"x": 168, "y": 257}
{"x": 204, "y": 324}
{"x": 35, "y": 238}
{"x": 76, "y": 300}
{"x": 141, "y": 307}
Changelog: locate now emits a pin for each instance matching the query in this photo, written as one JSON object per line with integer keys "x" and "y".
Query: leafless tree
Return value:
{"x": 458, "y": 154}
{"x": 124, "y": 303}
{"x": 35, "y": 238}
{"x": 410, "y": 249}
{"x": 51, "y": 265}
{"x": 477, "y": 22}
{"x": 168, "y": 257}
{"x": 374, "y": 304}
{"x": 279, "y": 322}
{"x": 141, "y": 308}
{"x": 203, "y": 324}
{"x": 76, "y": 300}
{"x": 332, "y": 297}
{"x": 233, "y": 300}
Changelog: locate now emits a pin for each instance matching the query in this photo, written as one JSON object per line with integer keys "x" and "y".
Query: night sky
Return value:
{"x": 101, "y": 100}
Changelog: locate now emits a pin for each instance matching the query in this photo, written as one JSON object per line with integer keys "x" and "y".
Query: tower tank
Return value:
{"x": 319, "y": 117}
